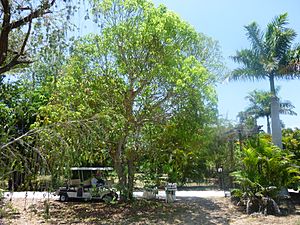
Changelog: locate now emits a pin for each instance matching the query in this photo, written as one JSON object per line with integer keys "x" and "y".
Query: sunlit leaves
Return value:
{"x": 266, "y": 169}
{"x": 146, "y": 69}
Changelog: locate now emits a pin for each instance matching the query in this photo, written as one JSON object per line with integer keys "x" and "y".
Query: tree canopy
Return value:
{"x": 138, "y": 96}
{"x": 146, "y": 67}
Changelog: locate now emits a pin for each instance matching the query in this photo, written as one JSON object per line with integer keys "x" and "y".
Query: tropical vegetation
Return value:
{"x": 139, "y": 95}
{"x": 260, "y": 106}
{"x": 143, "y": 87}
{"x": 265, "y": 171}
{"x": 269, "y": 57}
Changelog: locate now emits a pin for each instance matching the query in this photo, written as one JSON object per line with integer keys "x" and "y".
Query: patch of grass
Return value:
{"x": 7, "y": 210}
{"x": 46, "y": 209}
{"x": 3, "y": 212}
{"x": 33, "y": 208}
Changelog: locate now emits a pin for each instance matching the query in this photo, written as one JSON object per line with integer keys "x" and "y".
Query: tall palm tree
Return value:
{"x": 260, "y": 106}
{"x": 267, "y": 58}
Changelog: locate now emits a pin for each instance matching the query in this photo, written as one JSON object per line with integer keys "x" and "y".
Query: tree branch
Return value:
{"x": 14, "y": 62}
{"x": 26, "y": 38}
{"x": 7, "y": 26}
{"x": 42, "y": 10}
{"x": 4, "y": 30}
{"x": 19, "y": 138}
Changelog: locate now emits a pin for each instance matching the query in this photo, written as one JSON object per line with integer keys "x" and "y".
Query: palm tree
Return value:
{"x": 260, "y": 106}
{"x": 268, "y": 58}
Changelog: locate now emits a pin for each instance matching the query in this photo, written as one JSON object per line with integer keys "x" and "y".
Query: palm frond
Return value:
{"x": 279, "y": 38}
{"x": 280, "y": 21}
{"x": 286, "y": 108}
{"x": 245, "y": 57}
{"x": 284, "y": 42}
{"x": 287, "y": 75}
{"x": 246, "y": 74}
{"x": 291, "y": 62}
{"x": 250, "y": 61}
{"x": 255, "y": 35}
{"x": 260, "y": 104}
{"x": 270, "y": 53}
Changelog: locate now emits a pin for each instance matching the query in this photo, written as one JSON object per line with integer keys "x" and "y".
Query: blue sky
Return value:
{"x": 224, "y": 21}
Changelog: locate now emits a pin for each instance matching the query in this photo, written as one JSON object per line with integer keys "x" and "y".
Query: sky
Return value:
{"x": 224, "y": 21}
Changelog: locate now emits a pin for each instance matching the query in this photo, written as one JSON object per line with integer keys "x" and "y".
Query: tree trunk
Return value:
{"x": 18, "y": 179}
{"x": 124, "y": 165}
{"x": 272, "y": 85}
{"x": 5, "y": 29}
{"x": 276, "y": 128}
{"x": 131, "y": 172}
{"x": 126, "y": 180}
{"x": 119, "y": 166}
{"x": 268, "y": 125}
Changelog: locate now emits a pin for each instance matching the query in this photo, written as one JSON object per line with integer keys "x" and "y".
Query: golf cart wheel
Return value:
{"x": 108, "y": 198}
{"x": 63, "y": 197}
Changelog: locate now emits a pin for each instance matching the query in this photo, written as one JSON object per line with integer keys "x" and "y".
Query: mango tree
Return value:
{"x": 145, "y": 63}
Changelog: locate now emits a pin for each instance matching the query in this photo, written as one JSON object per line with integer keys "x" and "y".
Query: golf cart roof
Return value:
{"x": 91, "y": 168}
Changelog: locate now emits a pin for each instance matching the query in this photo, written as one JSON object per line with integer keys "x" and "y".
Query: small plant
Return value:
{"x": 3, "y": 212}
{"x": 33, "y": 208}
{"x": 47, "y": 209}
{"x": 1, "y": 194}
{"x": 7, "y": 209}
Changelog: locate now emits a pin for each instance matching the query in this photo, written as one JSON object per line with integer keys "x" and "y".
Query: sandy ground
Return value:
{"x": 200, "y": 209}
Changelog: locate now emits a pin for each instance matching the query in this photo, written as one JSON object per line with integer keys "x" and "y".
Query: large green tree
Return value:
{"x": 143, "y": 69}
{"x": 268, "y": 58}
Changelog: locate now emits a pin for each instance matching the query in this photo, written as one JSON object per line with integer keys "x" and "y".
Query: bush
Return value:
{"x": 266, "y": 170}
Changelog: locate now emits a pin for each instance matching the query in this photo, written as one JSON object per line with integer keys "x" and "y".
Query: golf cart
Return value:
{"x": 87, "y": 183}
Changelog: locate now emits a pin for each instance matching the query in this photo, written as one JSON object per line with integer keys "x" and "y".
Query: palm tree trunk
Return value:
{"x": 276, "y": 128}
{"x": 272, "y": 85}
{"x": 268, "y": 125}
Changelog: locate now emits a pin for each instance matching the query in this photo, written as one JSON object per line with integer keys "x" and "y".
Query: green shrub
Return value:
{"x": 266, "y": 169}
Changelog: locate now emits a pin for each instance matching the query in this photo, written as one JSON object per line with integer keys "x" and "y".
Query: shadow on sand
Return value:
{"x": 183, "y": 211}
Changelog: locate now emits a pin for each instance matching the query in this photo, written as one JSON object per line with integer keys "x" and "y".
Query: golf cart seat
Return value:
{"x": 74, "y": 182}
